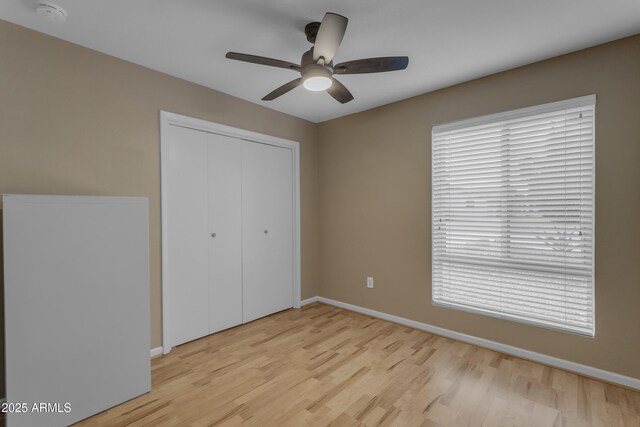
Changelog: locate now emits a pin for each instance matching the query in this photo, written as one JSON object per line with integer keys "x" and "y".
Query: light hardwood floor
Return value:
{"x": 323, "y": 365}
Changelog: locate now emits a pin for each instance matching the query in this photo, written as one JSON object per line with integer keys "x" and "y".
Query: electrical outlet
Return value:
{"x": 369, "y": 282}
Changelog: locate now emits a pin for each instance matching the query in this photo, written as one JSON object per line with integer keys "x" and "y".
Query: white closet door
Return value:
{"x": 267, "y": 229}
{"x": 225, "y": 229}
{"x": 187, "y": 225}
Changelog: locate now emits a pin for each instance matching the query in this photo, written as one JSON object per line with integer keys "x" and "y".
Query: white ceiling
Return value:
{"x": 447, "y": 41}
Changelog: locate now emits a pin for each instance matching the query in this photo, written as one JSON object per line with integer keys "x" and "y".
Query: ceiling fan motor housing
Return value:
{"x": 315, "y": 70}
{"x": 307, "y": 59}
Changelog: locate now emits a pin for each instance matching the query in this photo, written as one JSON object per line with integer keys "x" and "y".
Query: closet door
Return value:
{"x": 187, "y": 225}
{"x": 267, "y": 229}
{"x": 225, "y": 231}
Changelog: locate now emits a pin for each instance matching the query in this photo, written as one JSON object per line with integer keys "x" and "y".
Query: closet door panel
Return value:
{"x": 225, "y": 230}
{"x": 267, "y": 229}
{"x": 187, "y": 216}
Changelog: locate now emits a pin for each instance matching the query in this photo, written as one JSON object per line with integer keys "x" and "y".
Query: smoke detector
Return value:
{"x": 51, "y": 11}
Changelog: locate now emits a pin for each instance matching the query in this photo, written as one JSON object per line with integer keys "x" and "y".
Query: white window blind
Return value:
{"x": 513, "y": 198}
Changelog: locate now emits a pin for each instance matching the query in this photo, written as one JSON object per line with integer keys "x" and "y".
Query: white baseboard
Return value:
{"x": 556, "y": 362}
{"x": 309, "y": 300}
{"x": 156, "y": 352}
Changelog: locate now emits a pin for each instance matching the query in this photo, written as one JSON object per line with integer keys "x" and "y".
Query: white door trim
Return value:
{"x": 167, "y": 119}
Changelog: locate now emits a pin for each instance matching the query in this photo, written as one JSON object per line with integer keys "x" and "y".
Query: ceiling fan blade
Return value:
{"x": 339, "y": 92}
{"x": 372, "y": 65}
{"x": 261, "y": 60}
{"x": 283, "y": 89}
{"x": 329, "y": 36}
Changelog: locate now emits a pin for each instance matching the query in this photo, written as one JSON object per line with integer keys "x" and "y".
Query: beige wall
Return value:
{"x": 375, "y": 203}
{"x": 75, "y": 121}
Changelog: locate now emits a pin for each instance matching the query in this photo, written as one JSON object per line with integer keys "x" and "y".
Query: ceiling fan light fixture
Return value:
{"x": 317, "y": 79}
{"x": 317, "y": 83}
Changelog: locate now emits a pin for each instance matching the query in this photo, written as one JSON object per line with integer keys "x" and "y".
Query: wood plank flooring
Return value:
{"x": 325, "y": 366}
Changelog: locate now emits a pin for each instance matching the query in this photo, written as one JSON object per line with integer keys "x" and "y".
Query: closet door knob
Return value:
{"x": 213, "y": 234}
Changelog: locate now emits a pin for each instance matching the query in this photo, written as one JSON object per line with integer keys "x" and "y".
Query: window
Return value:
{"x": 513, "y": 201}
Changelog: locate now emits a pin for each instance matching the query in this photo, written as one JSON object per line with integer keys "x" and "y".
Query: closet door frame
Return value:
{"x": 172, "y": 119}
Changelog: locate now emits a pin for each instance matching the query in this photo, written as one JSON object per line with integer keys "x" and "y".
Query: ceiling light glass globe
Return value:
{"x": 317, "y": 83}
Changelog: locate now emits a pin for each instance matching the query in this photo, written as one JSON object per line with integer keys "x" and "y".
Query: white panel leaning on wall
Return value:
{"x": 76, "y": 305}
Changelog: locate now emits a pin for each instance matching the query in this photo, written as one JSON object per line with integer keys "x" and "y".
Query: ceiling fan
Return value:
{"x": 316, "y": 66}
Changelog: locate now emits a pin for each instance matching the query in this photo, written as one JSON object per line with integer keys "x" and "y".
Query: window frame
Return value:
{"x": 583, "y": 101}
